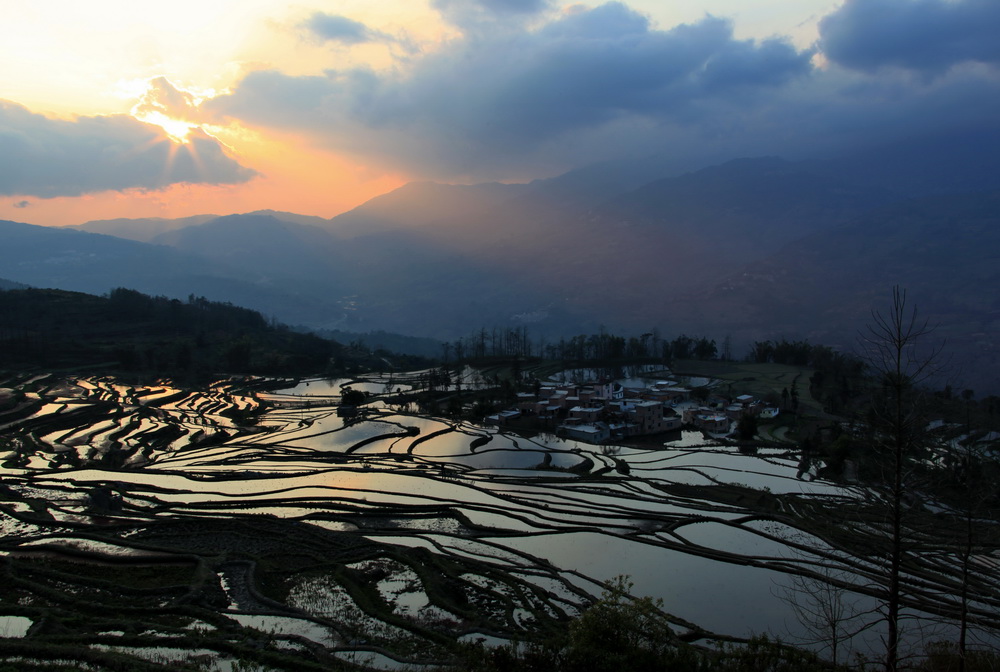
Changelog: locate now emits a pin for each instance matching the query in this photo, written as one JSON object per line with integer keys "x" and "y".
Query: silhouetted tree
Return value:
{"x": 352, "y": 397}
{"x": 896, "y": 430}
{"x": 747, "y": 427}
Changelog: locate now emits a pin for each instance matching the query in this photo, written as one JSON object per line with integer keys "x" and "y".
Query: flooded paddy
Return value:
{"x": 384, "y": 535}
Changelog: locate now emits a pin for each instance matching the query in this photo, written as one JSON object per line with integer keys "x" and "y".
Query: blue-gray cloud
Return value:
{"x": 501, "y": 97}
{"x": 475, "y": 14}
{"x": 929, "y": 36}
{"x": 47, "y": 157}
{"x": 336, "y": 28}
{"x": 498, "y": 7}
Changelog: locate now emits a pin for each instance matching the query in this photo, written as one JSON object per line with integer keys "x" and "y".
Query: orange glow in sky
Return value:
{"x": 78, "y": 63}
{"x": 294, "y": 178}
{"x": 99, "y": 58}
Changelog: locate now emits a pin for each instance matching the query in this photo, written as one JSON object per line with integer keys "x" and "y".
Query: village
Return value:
{"x": 602, "y": 411}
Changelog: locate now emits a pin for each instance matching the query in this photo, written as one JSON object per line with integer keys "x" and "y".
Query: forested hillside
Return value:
{"x": 128, "y": 331}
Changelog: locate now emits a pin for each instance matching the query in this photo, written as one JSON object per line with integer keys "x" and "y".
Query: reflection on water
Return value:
{"x": 696, "y": 523}
{"x": 510, "y": 484}
{"x": 638, "y": 372}
{"x": 719, "y": 596}
{"x": 333, "y": 387}
{"x": 689, "y": 439}
{"x": 14, "y": 626}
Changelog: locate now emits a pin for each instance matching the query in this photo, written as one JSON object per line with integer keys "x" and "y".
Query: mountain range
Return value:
{"x": 756, "y": 248}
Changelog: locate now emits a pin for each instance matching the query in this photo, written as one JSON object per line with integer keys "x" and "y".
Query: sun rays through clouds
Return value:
{"x": 118, "y": 97}
{"x": 173, "y": 109}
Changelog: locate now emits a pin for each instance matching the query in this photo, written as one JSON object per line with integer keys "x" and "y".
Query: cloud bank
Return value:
{"x": 47, "y": 157}
{"x": 527, "y": 90}
{"x": 928, "y": 36}
{"x": 474, "y": 15}
{"x": 500, "y": 97}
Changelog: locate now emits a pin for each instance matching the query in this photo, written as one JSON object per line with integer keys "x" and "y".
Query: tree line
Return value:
{"x": 128, "y": 331}
{"x": 511, "y": 342}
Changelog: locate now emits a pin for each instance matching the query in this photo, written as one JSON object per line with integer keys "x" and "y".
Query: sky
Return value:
{"x": 134, "y": 108}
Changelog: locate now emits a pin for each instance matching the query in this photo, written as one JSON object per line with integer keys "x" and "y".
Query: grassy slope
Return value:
{"x": 760, "y": 380}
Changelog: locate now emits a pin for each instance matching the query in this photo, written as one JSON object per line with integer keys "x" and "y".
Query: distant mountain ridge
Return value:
{"x": 942, "y": 249}
{"x": 7, "y": 284}
{"x": 63, "y": 258}
{"x": 630, "y": 245}
{"x": 143, "y": 229}
{"x": 938, "y": 164}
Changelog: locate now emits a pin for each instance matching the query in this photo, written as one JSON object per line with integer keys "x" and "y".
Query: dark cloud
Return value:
{"x": 516, "y": 6}
{"x": 47, "y": 157}
{"x": 470, "y": 14}
{"x": 503, "y": 97}
{"x": 923, "y": 35}
{"x": 336, "y": 28}
{"x": 608, "y": 21}
{"x": 22, "y": 204}
{"x": 493, "y": 6}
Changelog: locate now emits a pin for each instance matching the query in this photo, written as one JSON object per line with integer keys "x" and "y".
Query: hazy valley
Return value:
{"x": 753, "y": 249}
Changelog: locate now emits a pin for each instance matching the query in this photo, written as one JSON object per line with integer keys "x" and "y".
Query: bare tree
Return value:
{"x": 892, "y": 344}
{"x": 830, "y": 614}
{"x": 974, "y": 535}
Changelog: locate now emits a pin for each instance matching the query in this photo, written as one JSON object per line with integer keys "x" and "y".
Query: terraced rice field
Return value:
{"x": 202, "y": 527}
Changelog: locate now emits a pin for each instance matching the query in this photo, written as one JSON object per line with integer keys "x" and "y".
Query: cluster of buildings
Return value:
{"x": 603, "y": 411}
{"x": 719, "y": 415}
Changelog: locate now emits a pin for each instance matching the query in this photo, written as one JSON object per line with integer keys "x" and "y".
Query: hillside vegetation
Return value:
{"x": 127, "y": 331}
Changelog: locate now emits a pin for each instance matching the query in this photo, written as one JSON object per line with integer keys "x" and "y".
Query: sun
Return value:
{"x": 172, "y": 108}
{"x": 176, "y": 129}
